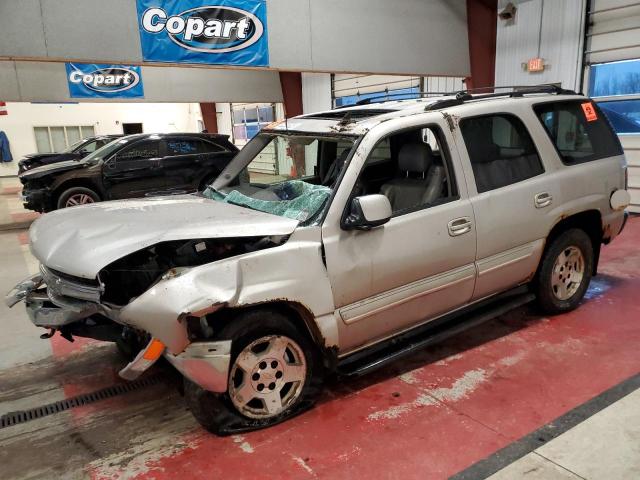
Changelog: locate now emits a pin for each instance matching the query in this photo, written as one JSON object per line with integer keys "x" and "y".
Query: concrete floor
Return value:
{"x": 468, "y": 408}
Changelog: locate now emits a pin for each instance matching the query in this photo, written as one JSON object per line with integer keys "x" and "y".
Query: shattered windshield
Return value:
{"x": 290, "y": 175}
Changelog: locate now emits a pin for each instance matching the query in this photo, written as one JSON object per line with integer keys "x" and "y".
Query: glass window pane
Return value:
{"x": 42, "y": 139}
{"x": 73, "y": 135}
{"x": 624, "y": 115}
{"x": 87, "y": 131}
{"x": 615, "y": 78}
{"x": 501, "y": 151}
{"x": 182, "y": 147}
{"x": 239, "y": 132}
{"x": 251, "y": 115}
{"x": 266, "y": 114}
{"x": 57, "y": 139}
{"x": 579, "y": 131}
{"x": 140, "y": 150}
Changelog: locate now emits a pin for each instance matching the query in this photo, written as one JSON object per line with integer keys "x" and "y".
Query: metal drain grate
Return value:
{"x": 23, "y": 416}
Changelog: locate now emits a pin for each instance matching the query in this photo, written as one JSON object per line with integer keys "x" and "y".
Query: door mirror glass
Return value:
{"x": 368, "y": 212}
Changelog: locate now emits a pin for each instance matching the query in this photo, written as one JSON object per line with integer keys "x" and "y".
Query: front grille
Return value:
{"x": 70, "y": 286}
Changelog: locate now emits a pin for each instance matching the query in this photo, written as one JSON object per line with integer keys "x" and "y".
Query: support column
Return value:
{"x": 209, "y": 117}
{"x": 291, "y": 83}
{"x": 482, "y": 18}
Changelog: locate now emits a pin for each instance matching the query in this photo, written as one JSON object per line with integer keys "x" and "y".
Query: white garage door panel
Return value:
{"x": 615, "y": 31}
{"x": 631, "y": 145}
{"x": 345, "y": 85}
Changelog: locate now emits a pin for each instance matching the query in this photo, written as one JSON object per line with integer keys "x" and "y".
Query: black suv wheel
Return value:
{"x": 77, "y": 196}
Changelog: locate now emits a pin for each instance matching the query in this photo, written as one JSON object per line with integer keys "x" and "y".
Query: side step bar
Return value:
{"x": 368, "y": 360}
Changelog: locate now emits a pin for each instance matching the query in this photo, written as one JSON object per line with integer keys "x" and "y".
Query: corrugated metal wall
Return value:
{"x": 614, "y": 33}
{"x": 550, "y": 29}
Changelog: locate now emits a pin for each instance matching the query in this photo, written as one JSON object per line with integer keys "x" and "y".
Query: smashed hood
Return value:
{"x": 82, "y": 240}
{"x": 56, "y": 167}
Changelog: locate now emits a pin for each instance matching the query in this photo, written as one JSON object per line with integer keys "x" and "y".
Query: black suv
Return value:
{"x": 76, "y": 151}
{"x": 132, "y": 166}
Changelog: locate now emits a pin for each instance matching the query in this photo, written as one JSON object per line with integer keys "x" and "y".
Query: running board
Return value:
{"x": 403, "y": 345}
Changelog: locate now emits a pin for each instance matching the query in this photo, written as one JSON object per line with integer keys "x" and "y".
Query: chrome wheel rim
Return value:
{"x": 568, "y": 273}
{"x": 78, "y": 199}
{"x": 267, "y": 377}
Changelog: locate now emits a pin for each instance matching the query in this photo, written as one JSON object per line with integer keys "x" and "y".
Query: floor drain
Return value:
{"x": 24, "y": 416}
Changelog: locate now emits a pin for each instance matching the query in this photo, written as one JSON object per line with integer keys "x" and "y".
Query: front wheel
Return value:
{"x": 565, "y": 272}
{"x": 77, "y": 196}
{"x": 272, "y": 377}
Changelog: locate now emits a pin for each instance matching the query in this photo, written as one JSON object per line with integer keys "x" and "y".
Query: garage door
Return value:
{"x": 613, "y": 75}
{"x": 347, "y": 89}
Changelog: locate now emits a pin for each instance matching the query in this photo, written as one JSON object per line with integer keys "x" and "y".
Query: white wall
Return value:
{"x": 550, "y": 29}
{"x": 316, "y": 92}
{"x": 105, "y": 117}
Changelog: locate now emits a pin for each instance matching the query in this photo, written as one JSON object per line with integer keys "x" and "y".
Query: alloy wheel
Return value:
{"x": 78, "y": 199}
{"x": 267, "y": 377}
{"x": 567, "y": 273}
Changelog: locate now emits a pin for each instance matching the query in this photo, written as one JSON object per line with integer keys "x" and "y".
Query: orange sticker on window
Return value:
{"x": 589, "y": 112}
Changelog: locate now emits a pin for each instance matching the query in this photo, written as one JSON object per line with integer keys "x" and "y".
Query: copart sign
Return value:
{"x": 92, "y": 80}
{"x": 224, "y": 32}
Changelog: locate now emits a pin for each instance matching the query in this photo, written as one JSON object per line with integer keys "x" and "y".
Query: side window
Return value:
{"x": 411, "y": 169}
{"x": 579, "y": 131}
{"x": 182, "y": 146}
{"x": 208, "y": 147}
{"x": 501, "y": 151}
{"x": 140, "y": 151}
{"x": 90, "y": 147}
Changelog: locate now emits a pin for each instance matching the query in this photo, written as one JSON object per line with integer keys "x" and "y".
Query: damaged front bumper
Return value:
{"x": 205, "y": 363}
{"x": 49, "y": 307}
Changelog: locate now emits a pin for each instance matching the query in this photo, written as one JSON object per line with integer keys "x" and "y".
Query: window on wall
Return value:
{"x": 621, "y": 80}
{"x": 249, "y": 119}
{"x": 501, "y": 151}
{"x": 59, "y": 139}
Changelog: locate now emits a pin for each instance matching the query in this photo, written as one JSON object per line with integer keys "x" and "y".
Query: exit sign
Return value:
{"x": 535, "y": 65}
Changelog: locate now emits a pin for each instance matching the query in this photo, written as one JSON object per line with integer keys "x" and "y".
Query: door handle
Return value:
{"x": 543, "y": 199}
{"x": 459, "y": 226}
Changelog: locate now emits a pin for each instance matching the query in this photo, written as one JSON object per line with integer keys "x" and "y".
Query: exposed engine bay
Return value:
{"x": 135, "y": 273}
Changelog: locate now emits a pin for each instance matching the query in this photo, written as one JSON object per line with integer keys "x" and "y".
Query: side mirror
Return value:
{"x": 368, "y": 212}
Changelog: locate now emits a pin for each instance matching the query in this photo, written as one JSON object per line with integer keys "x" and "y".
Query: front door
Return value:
{"x": 135, "y": 171}
{"x": 420, "y": 264}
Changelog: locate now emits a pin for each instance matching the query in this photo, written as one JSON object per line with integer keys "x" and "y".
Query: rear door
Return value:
{"x": 135, "y": 170}
{"x": 512, "y": 196}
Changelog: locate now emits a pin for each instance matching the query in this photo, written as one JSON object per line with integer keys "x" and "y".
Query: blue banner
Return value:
{"x": 92, "y": 80}
{"x": 226, "y": 32}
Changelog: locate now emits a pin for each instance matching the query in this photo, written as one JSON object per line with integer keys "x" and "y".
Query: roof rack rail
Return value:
{"x": 517, "y": 91}
{"x": 464, "y": 95}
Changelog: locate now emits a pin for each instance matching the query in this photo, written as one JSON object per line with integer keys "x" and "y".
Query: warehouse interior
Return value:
{"x": 175, "y": 200}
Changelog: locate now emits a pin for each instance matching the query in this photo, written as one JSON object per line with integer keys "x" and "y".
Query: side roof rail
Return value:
{"x": 463, "y": 96}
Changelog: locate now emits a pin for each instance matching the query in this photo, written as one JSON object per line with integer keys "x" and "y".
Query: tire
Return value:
{"x": 565, "y": 272}
{"x": 278, "y": 352}
{"x": 81, "y": 195}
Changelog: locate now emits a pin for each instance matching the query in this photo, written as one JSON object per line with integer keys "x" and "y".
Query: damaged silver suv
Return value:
{"x": 338, "y": 242}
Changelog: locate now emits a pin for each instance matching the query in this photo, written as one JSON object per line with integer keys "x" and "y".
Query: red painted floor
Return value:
{"x": 445, "y": 409}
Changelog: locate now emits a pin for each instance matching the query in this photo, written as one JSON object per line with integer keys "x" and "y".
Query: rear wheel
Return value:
{"x": 565, "y": 272}
{"x": 272, "y": 376}
{"x": 77, "y": 196}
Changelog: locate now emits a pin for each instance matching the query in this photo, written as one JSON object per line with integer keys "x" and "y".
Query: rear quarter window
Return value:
{"x": 579, "y": 130}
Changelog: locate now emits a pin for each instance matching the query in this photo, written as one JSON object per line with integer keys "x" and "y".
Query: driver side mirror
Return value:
{"x": 368, "y": 212}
